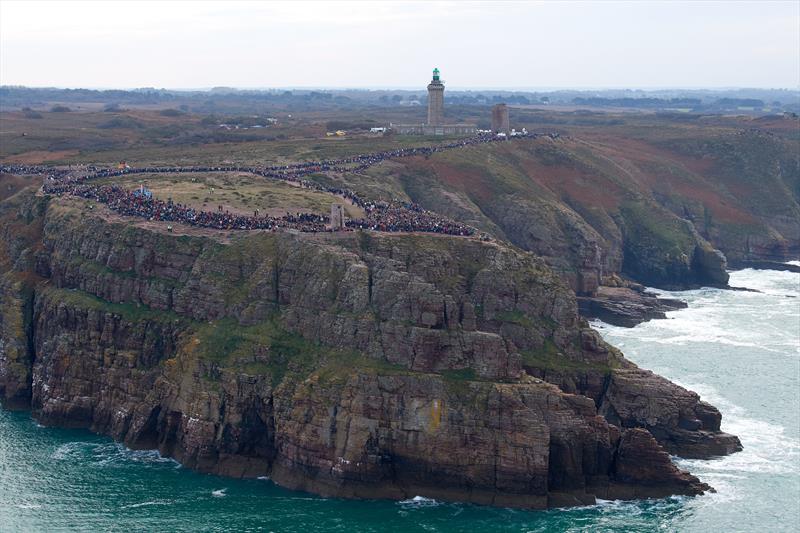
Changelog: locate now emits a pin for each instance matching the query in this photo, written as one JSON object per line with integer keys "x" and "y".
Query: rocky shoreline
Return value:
{"x": 766, "y": 265}
{"x": 361, "y": 366}
{"x": 627, "y": 303}
{"x": 627, "y": 307}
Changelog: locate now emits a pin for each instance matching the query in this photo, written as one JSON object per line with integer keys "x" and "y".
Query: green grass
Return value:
{"x": 281, "y": 353}
{"x": 461, "y": 374}
{"x": 651, "y": 226}
{"x": 132, "y": 312}
{"x": 236, "y": 192}
{"x": 231, "y": 345}
{"x": 458, "y": 382}
{"x": 516, "y": 317}
{"x": 549, "y": 358}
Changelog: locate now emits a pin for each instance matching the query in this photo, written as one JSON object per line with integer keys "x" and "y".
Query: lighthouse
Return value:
{"x": 435, "y": 124}
{"x": 435, "y": 100}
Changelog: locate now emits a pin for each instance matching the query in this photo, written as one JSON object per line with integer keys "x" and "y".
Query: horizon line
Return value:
{"x": 409, "y": 88}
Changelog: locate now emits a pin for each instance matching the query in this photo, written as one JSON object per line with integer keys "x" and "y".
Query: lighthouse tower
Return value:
{"x": 435, "y": 124}
{"x": 435, "y": 100}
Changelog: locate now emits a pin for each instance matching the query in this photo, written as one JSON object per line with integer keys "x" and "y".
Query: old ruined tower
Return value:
{"x": 435, "y": 100}
{"x": 337, "y": 217}
{"x": 500, "y": 122}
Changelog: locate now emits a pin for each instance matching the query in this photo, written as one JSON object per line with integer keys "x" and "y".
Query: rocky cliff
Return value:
{"x": 357, "y": 365}
{"x": 663, "y": 202}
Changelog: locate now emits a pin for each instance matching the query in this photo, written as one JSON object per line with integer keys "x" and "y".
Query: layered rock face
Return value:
{"x": 357, "y": 365}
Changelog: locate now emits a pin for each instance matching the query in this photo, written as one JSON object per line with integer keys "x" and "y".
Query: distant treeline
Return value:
{"x": 693, "y": 103}
{"x": 740, "y": 102}
{"x": 11, "y": 96}
{"x": 637, "y": 102}
{"x": 223, "y": 100}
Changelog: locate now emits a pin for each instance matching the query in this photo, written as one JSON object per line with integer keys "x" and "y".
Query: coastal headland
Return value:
{"x": 431, "y": 346}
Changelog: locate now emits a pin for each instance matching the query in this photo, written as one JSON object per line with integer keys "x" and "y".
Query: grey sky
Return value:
{"x": 395, "y": 44}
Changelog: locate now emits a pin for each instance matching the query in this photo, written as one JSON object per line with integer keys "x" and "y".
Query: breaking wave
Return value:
{"x": 768, "y": 320}
{"x": 147, "y": 504}
{"x": 109, "y": 454}
{"x": 418, "y": 502}
{"x": 767, "y": 448}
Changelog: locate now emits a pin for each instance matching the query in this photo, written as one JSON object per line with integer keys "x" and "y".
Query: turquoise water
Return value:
{"x": 739, "y": 350}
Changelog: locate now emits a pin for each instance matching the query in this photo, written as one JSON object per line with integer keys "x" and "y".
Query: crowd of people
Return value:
{"x": 394, "y": 216}
{"x": 407, "y": 217}
{"x": 131, "y": 203}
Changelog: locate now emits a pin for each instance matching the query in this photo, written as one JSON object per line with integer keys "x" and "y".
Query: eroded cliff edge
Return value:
{"x": 357, "y": 365}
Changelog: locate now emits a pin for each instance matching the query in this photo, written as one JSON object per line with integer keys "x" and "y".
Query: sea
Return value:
{"x": 740, "y": 350}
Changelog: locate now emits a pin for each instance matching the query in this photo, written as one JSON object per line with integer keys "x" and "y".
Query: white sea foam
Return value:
{"x": 263, "y": 478}
{"x": 418, "y": 502}
{"x": 28, "y": 506}
{"x": 766, "y": 447}
{"x": 147, "y": 504}
{"x": 109, "y": 454}
{"x": 768, "y": 321}
{"x": 777, "y": 283}
{"x": 749, "y": 330}
{"x": 631, "y": 508}
{"x": 219, "y": 493}
{"x": 71, "y": 450}
{"x": 615, "y": 506}
{"x": 119, "y": 453}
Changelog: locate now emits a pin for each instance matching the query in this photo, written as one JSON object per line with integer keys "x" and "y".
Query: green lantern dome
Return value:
{"x": 435, "y": 74}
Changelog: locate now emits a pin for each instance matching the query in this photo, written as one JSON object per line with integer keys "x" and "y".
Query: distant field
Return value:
{"x": 146, "y": 137}
{"x": 142, "y": 137}
{"x": 236, "y": 192}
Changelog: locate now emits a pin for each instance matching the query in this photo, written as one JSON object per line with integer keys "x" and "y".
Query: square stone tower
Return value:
{"x": 435, "y": 100}
{"x": 500, "y": 122}
{"x": 337, "y": 217}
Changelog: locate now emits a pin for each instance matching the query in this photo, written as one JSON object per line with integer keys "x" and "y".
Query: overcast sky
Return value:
{"x": 595, "y": 44}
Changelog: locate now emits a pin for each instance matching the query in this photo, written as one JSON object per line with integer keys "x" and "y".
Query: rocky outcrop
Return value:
{"x": 523, "y": 444}
{"x": 709, "y": 265}
{"x": 357, "y": 365}
{"x": 767, "y": 265}
{"x": 624, "y": 306}
{"x": 683, "y": 424}
{"x": 666, "y": 251}
{"x": 16, "y": 350}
